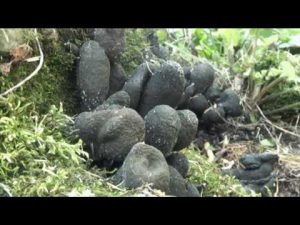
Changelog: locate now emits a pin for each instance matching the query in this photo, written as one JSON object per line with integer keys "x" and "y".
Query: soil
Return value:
{"x": 246, "y": 140}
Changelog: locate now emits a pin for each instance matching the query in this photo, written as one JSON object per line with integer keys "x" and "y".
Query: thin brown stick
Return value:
{"x": 35, "y": 72}
{"x": 276, "y": 140}
{"x": 277, "y": 188}
{"x": 269, "y": 132}
{"x": 274, "y": 125}
{"x": 284, "y": 108}
{"x": 237, "y": 125}
{"x": 296, "y": 124}
{"x": 267, "y": 88}
{"x": 220, "y": 154}
{"x": 273, "y": 96}
{"x": 109, "y": 184}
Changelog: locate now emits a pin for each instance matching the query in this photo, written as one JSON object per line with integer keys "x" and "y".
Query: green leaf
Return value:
{"x": 287, "y": 70}
{"x": 199, "y": 34}
{"x": 230, "y": 36}
{"x": 294, "y": 41}
{"x": 267, "y": 143}
{"x": 274, "y": 72}
{"x": 270, "y": 40}
{"x": 162, "y": 35}
{"x": 265, "y": 33}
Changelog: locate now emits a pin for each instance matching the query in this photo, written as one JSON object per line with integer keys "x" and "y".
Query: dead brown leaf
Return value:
{"x": 21, "y": 52}
{"x": 5, "y": 68}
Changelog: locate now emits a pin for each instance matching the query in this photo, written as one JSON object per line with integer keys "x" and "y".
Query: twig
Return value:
{"x": 149, "y": 67}
{"x": 278, "y": 146}
{"x": 101, "y": 178}
{"x": 274, "y": 125}
{"x": 114, "y": 187}
{"x": 237, "y": 125}
{"x": 5, "y": 35}
{"x": 273, "y": 96}
{"x": 92, "y": 174}
{"x": 258, "y": 132}
{"x": 276, "y": 140}
{"x": 267, "y": 88}
{"x": 269, "y": 132}
{"x": 284, "y": 108}
{"x": 6, "y": 189}
{"x": 220, "y": 154}
{"x": 32, "y": 74}
{"x": 277, "y": 188}
{"x": 296, "y": 125}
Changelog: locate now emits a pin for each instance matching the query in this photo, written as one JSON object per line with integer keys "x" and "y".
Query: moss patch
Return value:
{"x": 209, "y": 177}
{"x": 55, "y": 82}
{"x": 136, "y": 43}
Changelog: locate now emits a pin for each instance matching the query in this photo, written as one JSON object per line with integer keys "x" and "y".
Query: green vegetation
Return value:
{"x": 136, "y": 43}
{"x": 54, "y": 83}
{"x": 261, "y": 58}
{"x": 209, "y": 176}
{"x": 38, "y": 157}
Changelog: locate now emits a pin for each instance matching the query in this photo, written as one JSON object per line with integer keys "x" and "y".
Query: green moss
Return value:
{"x": 15, "y": 37}
{"x": 54, "y": 83}
{"x": 209, "y": 177}
{"x": 38, "y": 159}
{"x": 36, "y": 156}
{"x": 76, "y": 36}
{"x": 136, "y": 43}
